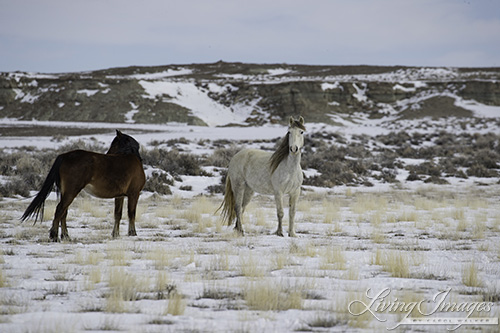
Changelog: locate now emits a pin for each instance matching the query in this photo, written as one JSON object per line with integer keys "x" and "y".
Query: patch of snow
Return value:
{"x": 29, "y": 98}
{"x": 161, "y": 75}
{"x": 311, "y": 173}
{"x": 278, "y": 71}
{"x": 188, "y": 95}
{"x": 403, "y": 88}
{"x": 327, "y": 86}
{"x": 479, "y": 109}
{"x": 19, "y": 93}
{"x": 88, "y": 92}
{"x": 360, "y": 94}
{"x": 218, "y": 89}
{"x": 129, "y": 116}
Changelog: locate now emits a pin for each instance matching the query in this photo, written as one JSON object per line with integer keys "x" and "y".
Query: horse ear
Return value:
{"x": 291, "y": 120}
{"x": 301, "y": 120}
{"x": 118, "y": 133}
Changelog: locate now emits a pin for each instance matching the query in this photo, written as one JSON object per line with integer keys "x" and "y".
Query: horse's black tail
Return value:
{"x": 37, "y": 205}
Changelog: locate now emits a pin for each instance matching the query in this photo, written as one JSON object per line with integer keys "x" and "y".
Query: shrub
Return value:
{"x": 221, "y": 156}
{"x": 159, "y": 183}
{"x": 16, "y": 186}
{"x": 173, "y": 162}
{"x": 479, "y": 170}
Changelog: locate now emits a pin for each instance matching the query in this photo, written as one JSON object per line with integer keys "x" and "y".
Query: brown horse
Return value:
{"x": 117, "y": 174}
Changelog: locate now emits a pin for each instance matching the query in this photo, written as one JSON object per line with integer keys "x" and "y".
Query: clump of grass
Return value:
{"x": 462, "y": 225}
{"x": 163, "y": 285}
{"x": 94, "y": 276}
{"x": 280, "y": 260}
{"x": 352, "y": 273}
{"x": 331, "y": 211}
{"x": 408, "y": 216}
{"x": 123, "y": 287}
{"x": 176, "y": 305}
{"x": 479, "y": 225}
{"x": 118, "y": 253}
{"x": 3, "y": 278}
{"x": 88, "y": 258}
{"x": 191, "y": 216}
{"x": 325, "y": 321}
{"x": 395, "y": 262}
{"x": 269, "y": 296}
{"x": 161, "y": 257}
{"x": 251, "y": 267}
{"x": 470, "y": 275}
{"x": 333, "y": 257}
{"x": 369, "y": 202}
{"x": 115, "y": 303}
{"x": 378, "y": 236}
{"x": 309, "y": 250}
{"x": 220, "y": 262}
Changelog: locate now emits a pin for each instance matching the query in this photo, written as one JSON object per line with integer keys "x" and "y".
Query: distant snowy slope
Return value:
{"x": 196, "y": 99}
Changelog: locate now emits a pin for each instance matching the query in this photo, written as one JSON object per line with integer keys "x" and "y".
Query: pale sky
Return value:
{"x": 51, "y": 36}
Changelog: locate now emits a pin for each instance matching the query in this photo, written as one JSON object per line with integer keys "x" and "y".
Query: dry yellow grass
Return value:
{"x": 332, "y": 257}
{"x": 266, "y": 295}
{"x": 470, "y": 275}
{"x": 395, "y": 262}
{"x": 118, "y": 253}
{"x": 368, "y": 202}
{"x": 176, "y": 305}
{"x": 251, "y": 267}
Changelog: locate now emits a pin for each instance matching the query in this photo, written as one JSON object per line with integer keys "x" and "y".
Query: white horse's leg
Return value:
{"x": 238, "y": 192}
{"x": 278, "y": 196}
{"x": 247, "y": 196}
{"x": 294, "y": 197}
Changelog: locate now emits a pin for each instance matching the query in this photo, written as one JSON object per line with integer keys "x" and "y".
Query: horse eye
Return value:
{"x": 301, "y": 132}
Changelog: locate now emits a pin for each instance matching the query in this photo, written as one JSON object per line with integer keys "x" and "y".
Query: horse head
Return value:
{"x": 296, "y": 130}
{"x": 124, "y": 144}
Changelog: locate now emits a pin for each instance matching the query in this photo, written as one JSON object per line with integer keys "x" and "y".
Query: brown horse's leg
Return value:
{"x": 60, "y": 216}
{"x": 54, "y": 231}
{"x": 118, "y": 216}
{"x": 132, "y": 205}
{"x": 64, "y": 229}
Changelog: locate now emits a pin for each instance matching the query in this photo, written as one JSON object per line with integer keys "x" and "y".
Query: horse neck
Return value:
{"x": 293, "y": 160}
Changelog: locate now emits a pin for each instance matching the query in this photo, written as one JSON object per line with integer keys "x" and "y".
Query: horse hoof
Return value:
{"x": 132, "y": 233}
{"x": 279, "y": 233}
{"x": 239, "y": 231}
{"x": 292, "y": 234}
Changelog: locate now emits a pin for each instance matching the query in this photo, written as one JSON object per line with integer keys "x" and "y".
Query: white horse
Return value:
{"x": 278, "y": 173}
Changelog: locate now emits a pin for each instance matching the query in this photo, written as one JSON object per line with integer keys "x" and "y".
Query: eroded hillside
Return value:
{"x": 234, "y": 93}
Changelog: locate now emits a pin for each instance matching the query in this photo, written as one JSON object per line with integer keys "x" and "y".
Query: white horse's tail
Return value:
{"x": 228, "y": 212}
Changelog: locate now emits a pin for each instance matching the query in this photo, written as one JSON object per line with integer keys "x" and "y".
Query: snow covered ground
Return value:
{"x": 187, "y": 272}
{"x": 386, "y": 249}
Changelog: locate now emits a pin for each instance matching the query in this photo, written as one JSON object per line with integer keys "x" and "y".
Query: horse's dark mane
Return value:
{"x": 280, "y": 154}
{"x": 124, "y": 144}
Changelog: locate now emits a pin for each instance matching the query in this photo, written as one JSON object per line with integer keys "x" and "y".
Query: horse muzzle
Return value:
{"x": 294, "y": 150}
